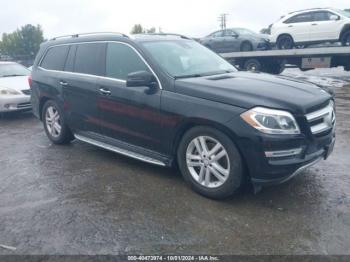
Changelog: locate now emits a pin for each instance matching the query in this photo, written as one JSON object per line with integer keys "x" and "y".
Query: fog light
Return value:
{"x": 284, "y": 153}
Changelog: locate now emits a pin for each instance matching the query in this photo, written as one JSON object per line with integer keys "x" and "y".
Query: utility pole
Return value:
{"x": 222, "y": 19}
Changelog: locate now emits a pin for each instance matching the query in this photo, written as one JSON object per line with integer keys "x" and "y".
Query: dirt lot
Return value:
{"x": 79, "y": 199}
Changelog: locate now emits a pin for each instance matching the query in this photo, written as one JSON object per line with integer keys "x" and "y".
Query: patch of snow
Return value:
{"x": 330, "y": 77}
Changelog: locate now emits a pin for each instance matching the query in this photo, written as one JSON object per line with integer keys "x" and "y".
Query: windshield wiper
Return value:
{"x": 188, "y": 76}
{"x": 11, "y": 75}
{"x": 204, "y": 74}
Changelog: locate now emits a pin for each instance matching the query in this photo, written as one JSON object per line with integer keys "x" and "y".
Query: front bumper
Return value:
{"x": 262, "y": 46}
{"x": 274, "y": 159}
{"x": 15, "y": 103}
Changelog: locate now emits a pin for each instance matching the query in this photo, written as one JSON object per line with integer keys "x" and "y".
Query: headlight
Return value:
{"x": 8, "y": 91}
{"x": 271, "y": 121}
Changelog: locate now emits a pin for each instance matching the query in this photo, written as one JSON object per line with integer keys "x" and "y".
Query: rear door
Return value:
{"x": 230, "y": 41}
{"x": 84, "y": 64}
{"x": 216, "y": 41}
{"x": 323, "y": 28}
{"x": 128, "y": 114}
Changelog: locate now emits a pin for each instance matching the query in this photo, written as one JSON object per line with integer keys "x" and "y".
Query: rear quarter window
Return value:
{"x": 55, "y": 58}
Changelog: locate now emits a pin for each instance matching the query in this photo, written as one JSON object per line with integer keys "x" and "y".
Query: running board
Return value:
{"x": 119, "y": 150}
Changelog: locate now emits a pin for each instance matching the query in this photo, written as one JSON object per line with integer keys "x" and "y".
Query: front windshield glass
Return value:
{"x": 344, "y": 13}
{"x": 8, "y": 70}
{"x": 187, "y": 58}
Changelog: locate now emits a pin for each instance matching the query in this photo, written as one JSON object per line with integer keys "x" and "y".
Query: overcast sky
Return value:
{"x": 190, "y": 17}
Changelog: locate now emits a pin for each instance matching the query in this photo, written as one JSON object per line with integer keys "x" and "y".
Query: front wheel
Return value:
{"x": 210, "y": 162}
{"x": 54, "y": 124}
{"x": 285, "y": 42}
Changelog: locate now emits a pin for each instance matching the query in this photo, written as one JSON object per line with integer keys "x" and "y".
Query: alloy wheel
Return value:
{"x": 53, "y": 122}
{"x": 208, "y": 161}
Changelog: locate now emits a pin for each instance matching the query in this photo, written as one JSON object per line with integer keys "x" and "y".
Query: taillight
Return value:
{"x": 30, "y": 81}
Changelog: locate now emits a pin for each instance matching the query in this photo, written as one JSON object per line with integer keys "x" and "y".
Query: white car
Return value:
{"x": 311, "y": 26}
{"x": 14, "y": 87}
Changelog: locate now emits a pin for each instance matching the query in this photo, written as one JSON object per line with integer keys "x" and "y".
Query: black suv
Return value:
{"x": 167, "y": 100}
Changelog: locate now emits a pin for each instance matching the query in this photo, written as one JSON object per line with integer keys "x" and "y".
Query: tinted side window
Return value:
{"x": 69, "y": 66}
{"x": 122, "y": 60}
{"x": 306, "y": 17}
{"x": 322, "y": 16}
{"x": 229, "y": 32}
{"x": 55, "y": 58}
{"x": 89, "y": 59}
{"x": 217, "y": 34}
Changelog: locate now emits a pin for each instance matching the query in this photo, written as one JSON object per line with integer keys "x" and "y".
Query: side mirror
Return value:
{"x": 235, "y": 35}
{"x": 141, "y": 78}
{"x": 334, "y": 17}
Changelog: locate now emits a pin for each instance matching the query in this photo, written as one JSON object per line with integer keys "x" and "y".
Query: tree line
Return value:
{"x": 24, "y": 42}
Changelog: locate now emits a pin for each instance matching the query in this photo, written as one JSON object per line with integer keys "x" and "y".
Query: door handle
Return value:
{"x": 313, "y": 24}
{"x": 63, "y": 83}
{"x": 105, "y": 91}
{"x": 290, "y": 26}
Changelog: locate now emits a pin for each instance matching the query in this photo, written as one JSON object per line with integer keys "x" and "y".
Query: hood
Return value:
{"x": 248, "y": 90}
{"x": 16, "y": 82}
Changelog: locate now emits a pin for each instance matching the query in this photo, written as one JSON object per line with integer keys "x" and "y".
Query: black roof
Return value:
{"x": 106, "y": 36}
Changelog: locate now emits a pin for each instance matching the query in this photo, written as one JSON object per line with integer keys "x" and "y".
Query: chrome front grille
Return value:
{"x": 322, "y": 120}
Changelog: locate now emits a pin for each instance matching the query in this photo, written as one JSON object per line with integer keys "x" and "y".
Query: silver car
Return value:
{"x": 14, "y": 87}
{"x": 235, "y": 40}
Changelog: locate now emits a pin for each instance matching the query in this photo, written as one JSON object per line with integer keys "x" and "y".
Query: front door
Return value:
{"x": 128, "y": 114}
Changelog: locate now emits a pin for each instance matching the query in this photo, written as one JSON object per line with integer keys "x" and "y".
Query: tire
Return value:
{"x": 252, "y": 65}
{"x": 62, "y": 135}
{"x": 227, "y": 176}
{"x": 246, "y": 47}
{"x": 345, "y": 41}
{"x": 275, "y": 68}
{"x": 285, "y": 42}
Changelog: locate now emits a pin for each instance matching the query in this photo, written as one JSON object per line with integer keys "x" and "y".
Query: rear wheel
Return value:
{"x": 285, "y": 42}
{"x": 346, "y": 39}
{"x": 210, "y": 162}
{"x": 246, "y": 47}
{"x": 54, "y": 124}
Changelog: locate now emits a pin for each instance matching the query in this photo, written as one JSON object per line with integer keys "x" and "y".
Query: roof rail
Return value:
{"x": 87, "y": 34}
{"x": 166, "y": 34}
{"x": 308, "y": 9}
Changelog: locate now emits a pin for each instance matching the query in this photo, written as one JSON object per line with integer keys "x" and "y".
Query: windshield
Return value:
{"x": 187, "y": 58}
{"x": 8, "y": 70}
{"x": 344, "y": 13}
{"x": 243, "y": 31}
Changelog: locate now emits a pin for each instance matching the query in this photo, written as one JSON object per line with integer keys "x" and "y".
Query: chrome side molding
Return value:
{"x": 119, "y": 150}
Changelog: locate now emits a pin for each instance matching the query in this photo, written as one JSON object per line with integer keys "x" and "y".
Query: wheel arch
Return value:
{"x": 346, "y": 28}
{"x": 245, "y": 41}
{"x": 284, "y": 34}
{"x": 195, "y": 122}
{"x": 42, "y": 102}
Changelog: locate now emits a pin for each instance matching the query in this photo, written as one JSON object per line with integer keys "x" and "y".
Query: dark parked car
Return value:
{"x": 168, "y": 100}
{"x": 235, "y": 40}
